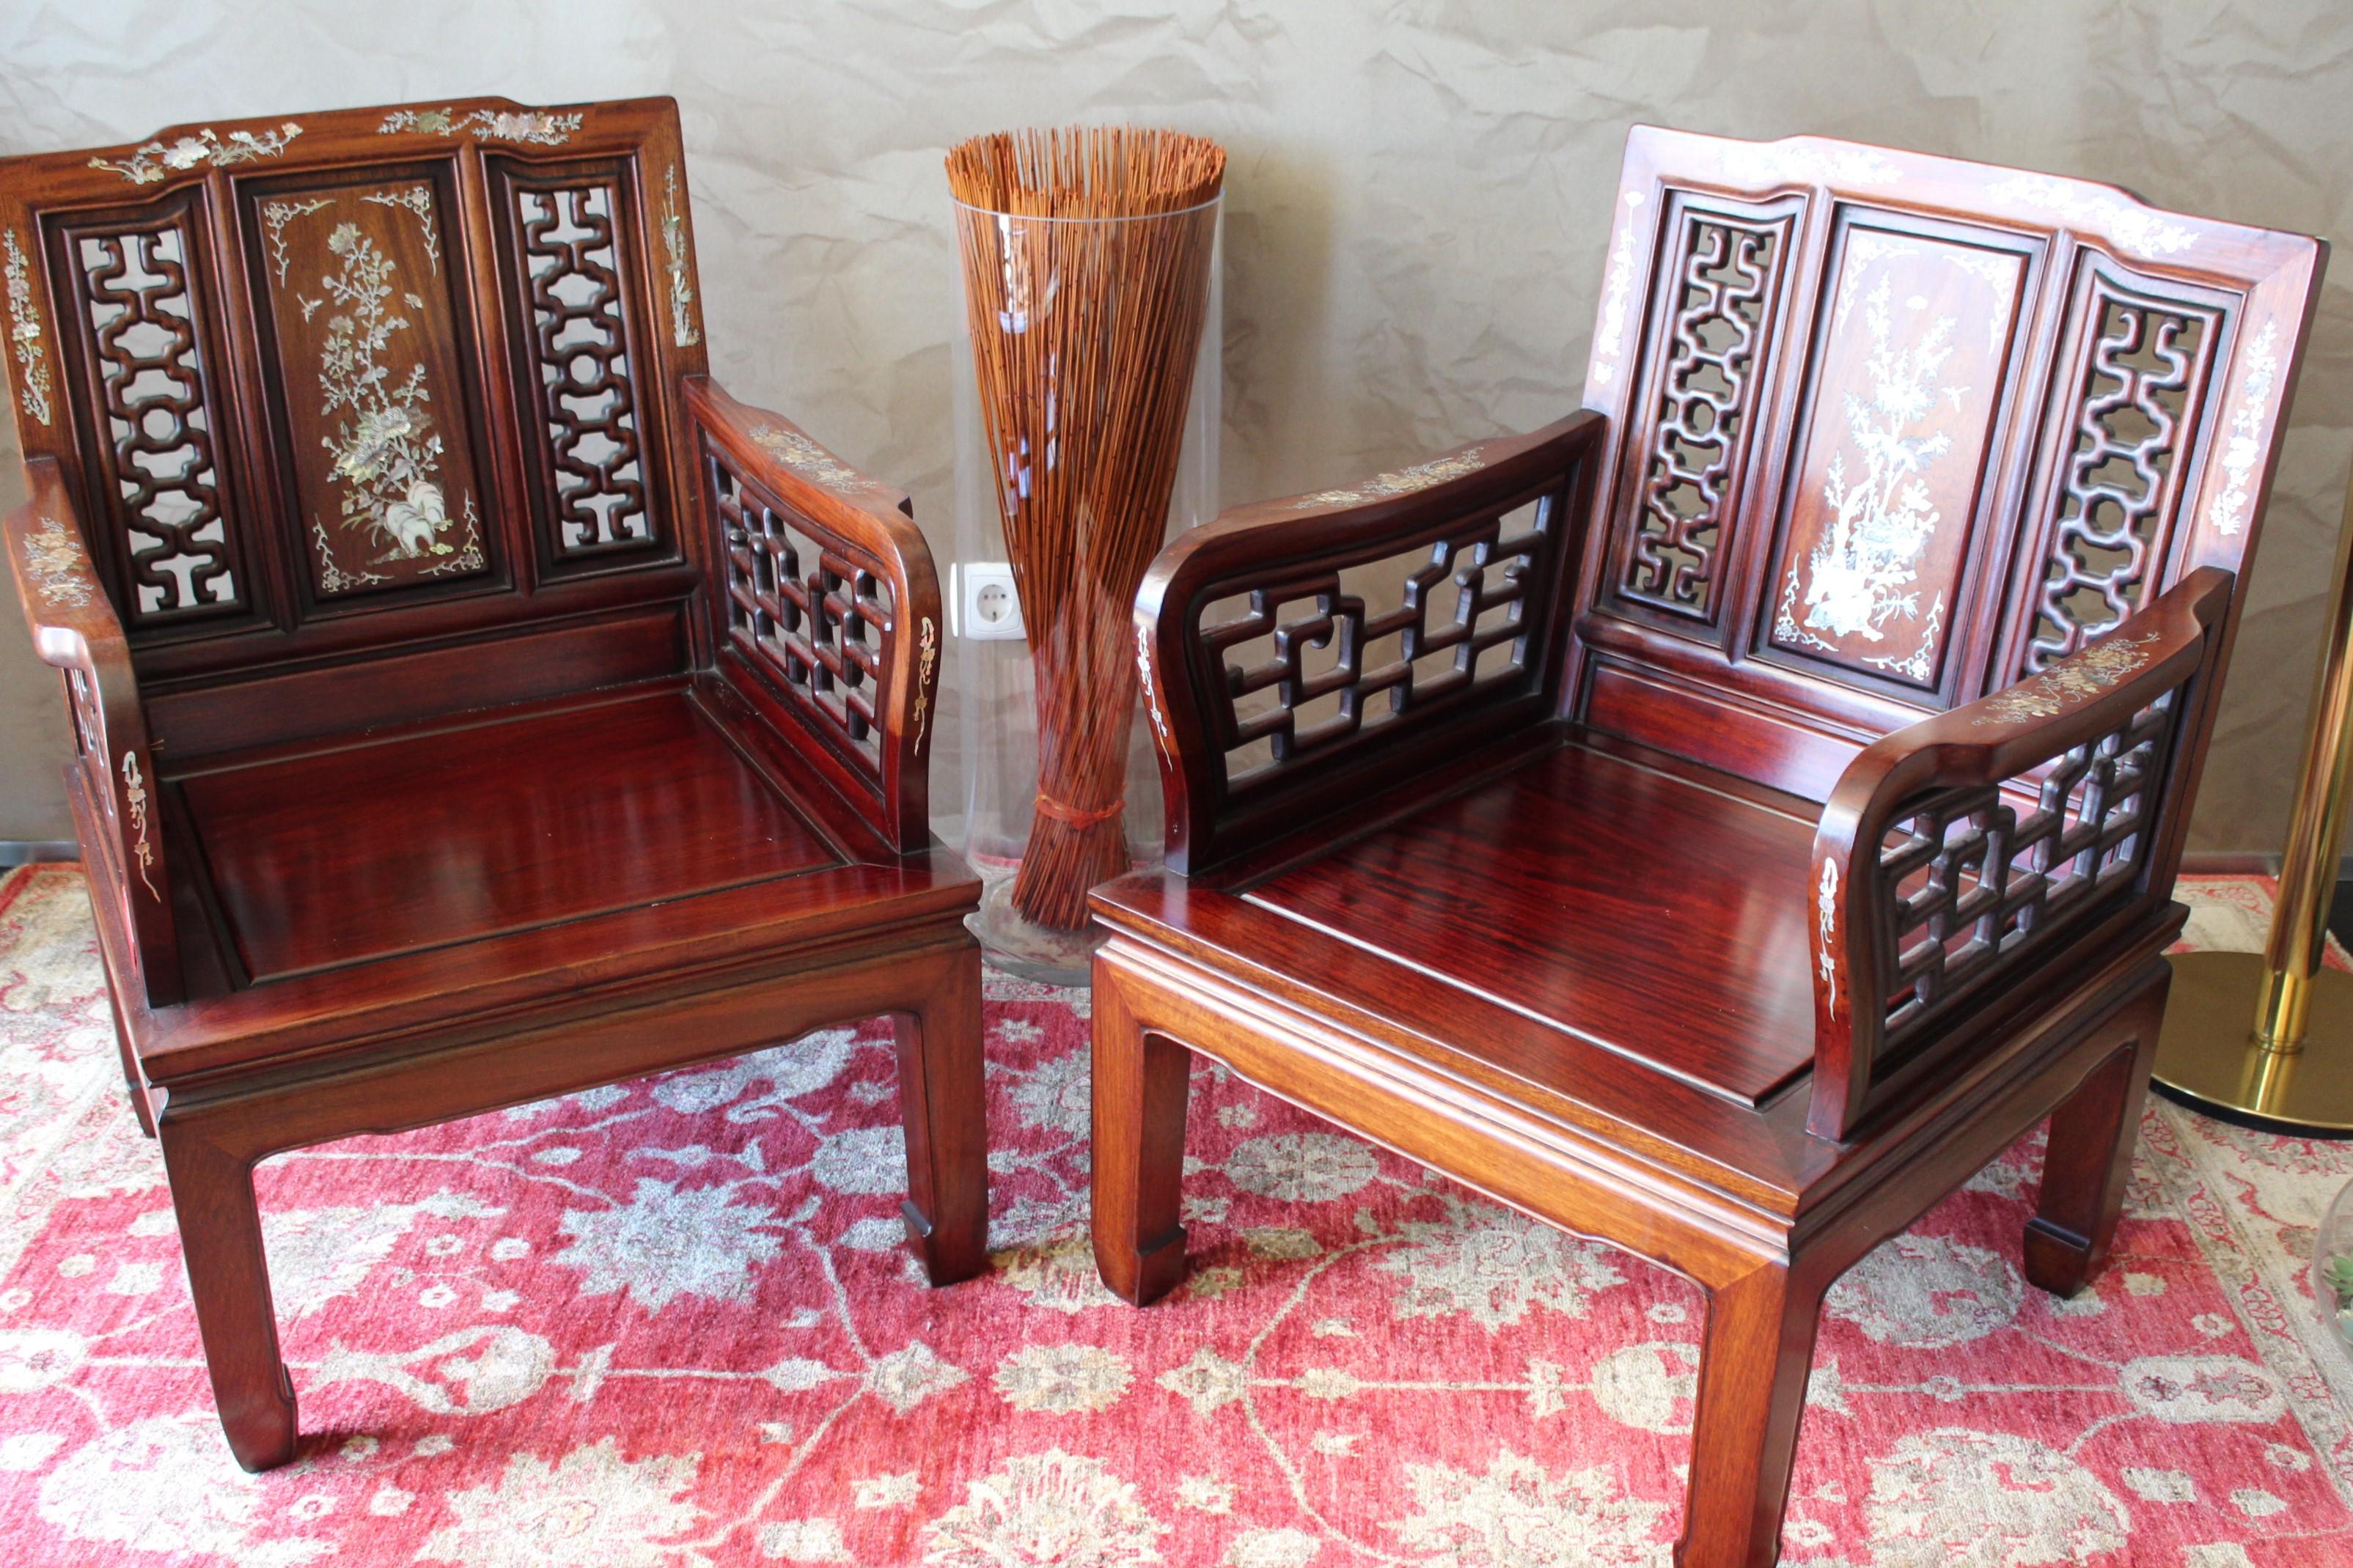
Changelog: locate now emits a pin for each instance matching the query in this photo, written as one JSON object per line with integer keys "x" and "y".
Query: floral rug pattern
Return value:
{"x": 669, "y": 1322}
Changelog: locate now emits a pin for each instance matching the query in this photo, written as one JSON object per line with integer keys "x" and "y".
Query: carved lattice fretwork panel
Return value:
{"x": 579, "y": 308}
{"x": 2142, "y": 368}
{"x": 817, "y": 622}
{"x": 1964, "y": 878}
{"x": 1725, "y": 279}
{"x": 1310, "y": 663}
{"x": 150, "y": 365}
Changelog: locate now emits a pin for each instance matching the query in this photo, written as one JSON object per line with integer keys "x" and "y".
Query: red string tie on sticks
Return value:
{"x": 1073, "y": 816}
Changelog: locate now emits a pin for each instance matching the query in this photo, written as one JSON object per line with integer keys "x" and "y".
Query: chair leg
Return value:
{"x": 139, "y": 1106}
{"x": 1140, "y": 1089}
{"x": 943, "y": 1100}
{"x": 228, "y": 1277}
{"x": 2088, "y": 1163}
{"x": 1758, "y": 1347}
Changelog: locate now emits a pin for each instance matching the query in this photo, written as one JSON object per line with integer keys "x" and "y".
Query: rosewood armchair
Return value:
{"x": 1720, "y": 823}
{"x": 471, "y": 701}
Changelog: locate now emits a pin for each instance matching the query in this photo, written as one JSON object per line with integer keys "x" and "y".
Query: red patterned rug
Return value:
{"x": 668, "y": 1323}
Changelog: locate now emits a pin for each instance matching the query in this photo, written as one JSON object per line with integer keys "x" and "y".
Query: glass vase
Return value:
{"x": 2332, "y": 1269}
{"x": 993, "y": 669}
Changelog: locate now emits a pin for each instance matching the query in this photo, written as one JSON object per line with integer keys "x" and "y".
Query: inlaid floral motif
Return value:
{"x": 54, "y": 563}
{"x": 1610, "y": 342}
{"x": 418, "y": 201}
{"x": 275, "y": 216}
{"x": 134, "y": 801}
{"x": 806, "y": 458}
{"x": 1402, "y": 482}
{"x": 1826, "y": 922}
{"x": 1855, "y": 580}
{"x": 1151, "y": 693}
{"x": 927, "y": 653}
{"x": 2086, "y": 674}
{"x": 2132, "y": 226}
{"x": 681, "y": 265}
{"x": 386, "y": 451}
{"x": 156, "y": 160}
{"x": 532, "y": 126}
{"x": 24, "y": 331}
{"x": 2243, "y": 451}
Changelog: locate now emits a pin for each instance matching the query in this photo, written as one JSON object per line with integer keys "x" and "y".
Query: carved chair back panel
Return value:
{"x": 336, "y": 385}
{"x": 1890, "y": 431}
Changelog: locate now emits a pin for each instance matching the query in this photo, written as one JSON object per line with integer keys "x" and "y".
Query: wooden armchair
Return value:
{"x": 472, "y": 702}
{"x": 1721, "y": 822}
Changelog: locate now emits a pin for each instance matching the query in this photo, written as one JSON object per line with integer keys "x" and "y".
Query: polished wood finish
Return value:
{"x": 471, "y": 702}
{"x": 1721, "y": 822}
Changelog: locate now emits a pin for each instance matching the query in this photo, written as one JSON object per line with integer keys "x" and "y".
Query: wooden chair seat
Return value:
{"x": 1721, "y": 822}
{"x": 471, "y": 702}
{"x": 1540, "y": 893}
{"x": 560, "y": 847}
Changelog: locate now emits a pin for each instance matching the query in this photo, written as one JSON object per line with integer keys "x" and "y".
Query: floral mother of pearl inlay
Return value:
{"x": 134, "y": 797}
{"x": 2131, "y": 225}
{"x": 386, "y": 451}
{"x": 1857, "y": 578}
{"x": 54, "y": 563}
{"x": 2243, "y": 449}
{"x": 684, "y": 332}
{"x": 1777, "y": 163}
{"x": 1151, "y": 693}
{"x": 928, "y": 651}
{"x": 1402, "y": 482}
{"x": 1610, "y": 340}
{"x": 158, "y": 161}
{"x": 1826, "y": 920}
{"x": 25, "y": 332}
{"x": 2087, "y": 674}
{"x": 533, "y": 126}
{"x": 806, "y": 458}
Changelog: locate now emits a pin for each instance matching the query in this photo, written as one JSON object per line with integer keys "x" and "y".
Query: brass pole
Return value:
{"x": 2236, "y": 1024}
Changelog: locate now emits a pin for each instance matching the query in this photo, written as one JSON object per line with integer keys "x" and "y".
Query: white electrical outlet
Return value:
{"x": 988, "y": 608}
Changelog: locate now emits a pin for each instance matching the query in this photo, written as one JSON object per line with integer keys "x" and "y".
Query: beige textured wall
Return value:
{"x": 1417, "y": 197}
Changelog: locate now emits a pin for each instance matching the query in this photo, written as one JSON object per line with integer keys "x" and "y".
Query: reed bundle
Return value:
{"x": 1086, "y": 257}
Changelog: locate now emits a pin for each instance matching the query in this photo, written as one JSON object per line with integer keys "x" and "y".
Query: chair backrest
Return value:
{"x": 362, "y": 385}
{"x": 1888, "y": 432}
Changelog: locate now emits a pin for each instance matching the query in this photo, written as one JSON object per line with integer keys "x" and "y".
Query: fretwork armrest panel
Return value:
{"x": 1968, "y": 878}
{"x": 1959, "y": 857}
{"x": 1400, "y": 618}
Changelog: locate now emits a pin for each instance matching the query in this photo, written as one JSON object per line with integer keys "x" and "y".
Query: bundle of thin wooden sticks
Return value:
{"x": 1086, "y": 256}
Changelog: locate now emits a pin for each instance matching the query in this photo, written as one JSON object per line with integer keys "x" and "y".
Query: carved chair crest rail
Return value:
{"x": 471, "y": 701}
{"x": 1721, "y": 821}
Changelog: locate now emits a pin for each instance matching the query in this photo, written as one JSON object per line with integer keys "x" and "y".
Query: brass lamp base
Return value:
{"x": 2207, "y": 1060}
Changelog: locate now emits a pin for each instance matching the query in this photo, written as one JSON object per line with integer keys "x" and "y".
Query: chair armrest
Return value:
{"x": 74, "y": 628}
{"x": 1469, "y": 651}
{"x": 1968, "y": 849}
{"x": 817, "y": 649}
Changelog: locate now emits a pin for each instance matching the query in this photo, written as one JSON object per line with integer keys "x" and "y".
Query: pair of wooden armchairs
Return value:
{"x": 1718, "y": 824}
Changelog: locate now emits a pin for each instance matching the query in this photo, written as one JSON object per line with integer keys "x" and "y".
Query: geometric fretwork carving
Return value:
{"x": 1964, "y": 879}
{"x": 817, "y": 622}
{"x": 573, "y": 270}
{"x": 152, "y": 376}
{"x": 1308, "y": 664}
{"x": 2144, "y": 368}
{"x": 1725, "y": 280}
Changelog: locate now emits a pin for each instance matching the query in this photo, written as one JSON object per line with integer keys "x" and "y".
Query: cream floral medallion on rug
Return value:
{"x": 669, "y": 1322}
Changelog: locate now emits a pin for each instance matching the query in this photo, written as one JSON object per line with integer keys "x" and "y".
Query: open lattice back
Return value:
{"x": 350, "y": 380}
{"x": 1890, "y": 431}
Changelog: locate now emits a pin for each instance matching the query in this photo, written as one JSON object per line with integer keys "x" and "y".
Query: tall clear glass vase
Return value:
{"x": 997, "y": 648}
